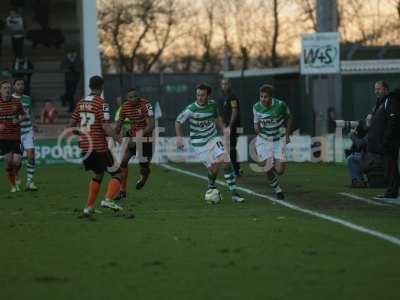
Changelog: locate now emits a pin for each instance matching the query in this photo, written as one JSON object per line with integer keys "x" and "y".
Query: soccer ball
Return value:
{"x": 212, "y": 196}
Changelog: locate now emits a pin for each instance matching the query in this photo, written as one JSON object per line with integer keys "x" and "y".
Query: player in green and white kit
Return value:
{"x": 203, "y": 120}
{"x": 272, "y": 124}
{"x": 27, "y": 139}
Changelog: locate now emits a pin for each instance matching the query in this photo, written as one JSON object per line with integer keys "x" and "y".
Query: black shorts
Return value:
{"x": 100, "y": 162}
{"x": 145, "y": 154}
{"x": 10, "y": 146}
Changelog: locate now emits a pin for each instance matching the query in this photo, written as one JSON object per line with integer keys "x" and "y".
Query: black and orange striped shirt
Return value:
{"x": 90, "y": 113}
{"x": 136, "y": 112}
{"x": 10, "y": 111}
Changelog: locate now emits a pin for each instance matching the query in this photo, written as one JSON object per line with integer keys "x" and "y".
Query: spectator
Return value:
{"x": 19, "y": 5}
{"x": 331, "y": 120}
{"x": 72, "y": 67}
{"x": 41, "y": 9}
{"x": 354, "y": 159}
{"x": 383, "y": 137}
{"x": 5, "y": 73}
{"x": 15, "y": 25}
{"x": 49, "y": 113}
{"x": 230, "y": 108}
{"x": 23, "y": 68}
{"x": 2, "y": 27}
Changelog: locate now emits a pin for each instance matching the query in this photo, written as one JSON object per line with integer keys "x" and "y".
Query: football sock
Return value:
{"x": 229, "y": 176}
{"x": 113, "y": 188}
{"x": 94, "y": 188}
{"x": 211, "y": 180}
{"x": 11, "y": 176}
{"x": 124, "y": 177}
{"x": 30, "y": 170}
{"x": 145, "y": 172}
{"x": 273, "y": 179}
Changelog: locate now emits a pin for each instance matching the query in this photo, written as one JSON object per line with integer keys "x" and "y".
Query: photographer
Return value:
{"x": 355, "y": 155}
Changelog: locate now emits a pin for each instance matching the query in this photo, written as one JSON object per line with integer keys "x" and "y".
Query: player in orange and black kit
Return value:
{"x": 11, "y": 114}
{"x": 139, "y": 113}
{"x": 91, "y": 116}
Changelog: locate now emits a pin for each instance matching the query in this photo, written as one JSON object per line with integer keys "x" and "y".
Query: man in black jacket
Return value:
{"x": 230, "y": 110}
{"x": 384, "y": 135}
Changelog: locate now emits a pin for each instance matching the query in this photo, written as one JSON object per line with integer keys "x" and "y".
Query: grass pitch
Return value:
{"x": 178, "y": 247}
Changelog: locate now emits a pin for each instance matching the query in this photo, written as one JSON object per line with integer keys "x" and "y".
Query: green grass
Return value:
{"x": 178, "y": 247}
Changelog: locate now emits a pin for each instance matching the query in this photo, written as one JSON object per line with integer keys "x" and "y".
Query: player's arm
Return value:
{"x": 118, "y": 126}
{"x": 149, "y": 126}
{"x": 105, "y": 119}
{"x": 257, "y": 128}
{"x": 111, "y": 132}
{"x": 149, "y": 120}
{"x": 179, "y": 135}
{"x": 119, "y": 117}
{"x": 226, "y": 131}
{"x": 220, "y": 125}
{"x": 289, "y": 124}
{"x": 21, "y": 114}
{"x": 235, "y": 113}
{"x": 256, "y": 122}
{"x": 183, "y": 116}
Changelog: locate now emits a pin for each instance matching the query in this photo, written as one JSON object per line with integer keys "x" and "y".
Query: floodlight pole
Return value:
{"x": 89, "y": 41}
{"x": 326, "y": 89}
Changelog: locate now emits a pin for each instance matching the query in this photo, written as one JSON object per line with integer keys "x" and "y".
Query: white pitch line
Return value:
{"x": 383, "y": 236}
{"x": 391, "y": 201}
{"x": 359, "y": 198}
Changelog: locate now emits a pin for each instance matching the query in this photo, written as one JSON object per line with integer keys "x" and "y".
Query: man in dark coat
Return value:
{"x": 384, "y": 136}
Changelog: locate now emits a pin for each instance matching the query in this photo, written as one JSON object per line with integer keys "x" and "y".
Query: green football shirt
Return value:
{"x": 202, "y": 125}
{"x": 271, "y": 119}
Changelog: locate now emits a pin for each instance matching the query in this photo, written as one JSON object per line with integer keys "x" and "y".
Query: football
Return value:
{"x": 212, "y": 196}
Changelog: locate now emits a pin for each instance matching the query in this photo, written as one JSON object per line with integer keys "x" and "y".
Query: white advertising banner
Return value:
{"x": 320, "y": 53}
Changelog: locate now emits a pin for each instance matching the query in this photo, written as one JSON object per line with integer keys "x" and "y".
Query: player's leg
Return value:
{"x": 144, "y": 175}
{"x": 233, "y": 153}
{"x": 30, "y": 170}
{"x": 265, "y": 155}
{"x": 230, "y": 179}
{"x": 274, "y": 183}
{"x": 144, "y": 163}
{"x": 280, "y": 167}
{"x": 107, "y": 162}
{"x": 114, "y": 185}
{"x": 28, "y": 145}
{"x": 10, "y": 171}
{"x": 279, "y": 156}
{"x": 212, "y": 175}
{"x": 127, "y": 155}
{"x": 221, "y": 158}
{"x": 16, "y": 163}
{"x": 94, "y": 188}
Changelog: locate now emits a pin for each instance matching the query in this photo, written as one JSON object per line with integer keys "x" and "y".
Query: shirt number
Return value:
{"x": 87, "y": 120}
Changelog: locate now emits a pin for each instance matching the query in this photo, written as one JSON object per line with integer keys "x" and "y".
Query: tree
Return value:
{"x": 275, "y": 35}
{"x": 308, "y": 8}
{"x": 136, "y": 33}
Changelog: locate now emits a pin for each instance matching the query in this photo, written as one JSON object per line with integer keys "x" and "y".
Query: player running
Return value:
{"x": 203, "y": 121}
{"x": 27, "y": 139}
{"x": 11, "y": 115}
{"x": 91, "y": 116}
{"x": 272, "y": 124}
{"x": 138, "y": 112}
